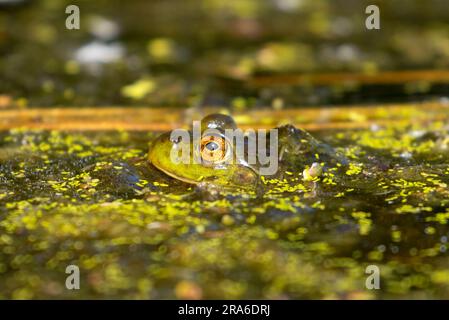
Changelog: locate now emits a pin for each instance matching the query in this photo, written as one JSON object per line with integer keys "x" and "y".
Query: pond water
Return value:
{"x": 91, "y": 198}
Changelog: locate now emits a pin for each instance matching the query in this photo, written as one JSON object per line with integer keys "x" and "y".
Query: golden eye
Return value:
{"x": 213, "y": 149}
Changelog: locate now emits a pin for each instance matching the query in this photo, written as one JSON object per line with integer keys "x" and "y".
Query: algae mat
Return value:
{"x": 89, "y": 198}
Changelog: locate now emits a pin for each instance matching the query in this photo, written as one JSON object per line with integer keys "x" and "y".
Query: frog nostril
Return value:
{"x": 176, "y": 140}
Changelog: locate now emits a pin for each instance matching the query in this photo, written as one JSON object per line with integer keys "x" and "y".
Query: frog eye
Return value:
{"x": 213, "y": 149}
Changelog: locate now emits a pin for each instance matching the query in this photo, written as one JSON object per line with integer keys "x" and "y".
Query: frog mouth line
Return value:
{"x": 172, "y": 175}
{"x": 186, "y": 180}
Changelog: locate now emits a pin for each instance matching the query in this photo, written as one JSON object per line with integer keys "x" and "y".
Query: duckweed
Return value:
{"x": 91, "y": 199}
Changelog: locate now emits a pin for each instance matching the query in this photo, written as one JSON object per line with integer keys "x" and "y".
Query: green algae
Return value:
{"x": 91, "y": 199}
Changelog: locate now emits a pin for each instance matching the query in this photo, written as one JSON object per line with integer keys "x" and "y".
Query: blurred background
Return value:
{"x": 236, "y": 53}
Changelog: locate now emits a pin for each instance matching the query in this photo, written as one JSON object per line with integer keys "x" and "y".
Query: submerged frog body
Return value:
{"x": 296, "y": 149}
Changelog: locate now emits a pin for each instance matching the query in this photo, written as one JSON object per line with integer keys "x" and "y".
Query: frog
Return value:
{"x": 296, "y": 149}
{"x": 213, "y": 149}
